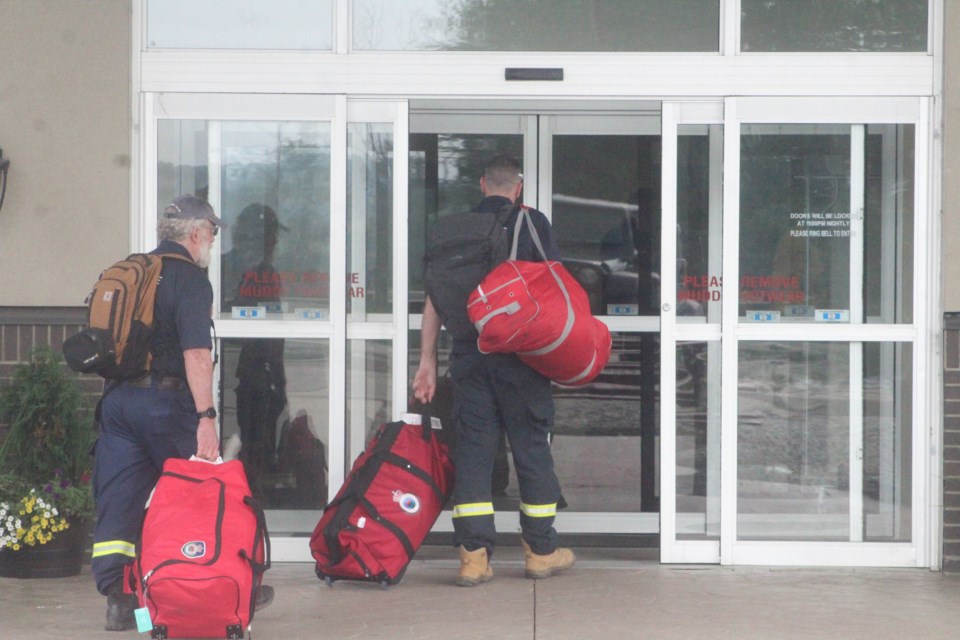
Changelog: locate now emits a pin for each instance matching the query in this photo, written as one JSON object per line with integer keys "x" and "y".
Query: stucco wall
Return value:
{"x": 65, "y": 127}
{"x": 951, "y": 156}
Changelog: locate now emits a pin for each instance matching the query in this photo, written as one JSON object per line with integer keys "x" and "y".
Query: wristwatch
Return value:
{"x": 209, "y": 413}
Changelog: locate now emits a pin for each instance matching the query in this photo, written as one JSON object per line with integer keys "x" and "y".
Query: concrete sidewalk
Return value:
{"x": 610, "y": 593}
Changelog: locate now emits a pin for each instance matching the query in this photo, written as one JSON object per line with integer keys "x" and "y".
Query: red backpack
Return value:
{"x": 203, "y": 551}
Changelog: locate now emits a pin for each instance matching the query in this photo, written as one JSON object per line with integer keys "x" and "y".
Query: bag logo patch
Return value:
{"x": 107, "y": 296}
{"x": 194, "y": 549}
{"x": 407, "y": 501}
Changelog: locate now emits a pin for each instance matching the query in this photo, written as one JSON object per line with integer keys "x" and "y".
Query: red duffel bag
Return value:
{"x": 386, "y": 506}
{"x": 540, "y": 312}
{"x": 202, "y": 553}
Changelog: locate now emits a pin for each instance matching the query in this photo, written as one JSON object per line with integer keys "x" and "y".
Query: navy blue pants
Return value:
{"x": 493, "y": 394}
{"x": 140, "y": 429}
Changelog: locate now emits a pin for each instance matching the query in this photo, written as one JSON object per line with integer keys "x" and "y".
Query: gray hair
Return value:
{"x": 177, "y": 229}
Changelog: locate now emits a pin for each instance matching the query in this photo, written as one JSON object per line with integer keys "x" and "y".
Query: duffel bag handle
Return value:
{"x": 261, "y": 532}
{"x": 521, "y": 216}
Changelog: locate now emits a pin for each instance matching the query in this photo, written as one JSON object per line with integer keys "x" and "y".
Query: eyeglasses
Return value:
{"x": 214, "y": 230}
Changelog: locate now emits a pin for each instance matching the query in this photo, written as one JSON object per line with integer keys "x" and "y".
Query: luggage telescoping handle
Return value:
{"x": 521, "y": 216}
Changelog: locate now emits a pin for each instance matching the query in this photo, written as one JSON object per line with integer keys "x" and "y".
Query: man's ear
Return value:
{"x": 483, "y": 185}
{"x": 517, "y": 191}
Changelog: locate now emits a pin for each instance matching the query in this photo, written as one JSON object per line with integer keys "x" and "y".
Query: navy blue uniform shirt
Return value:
{"x": 181, "y": 313}
{"x": 526, "y": 250}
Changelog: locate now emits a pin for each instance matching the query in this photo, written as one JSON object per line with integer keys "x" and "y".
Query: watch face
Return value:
{"x": 209, "y": 413}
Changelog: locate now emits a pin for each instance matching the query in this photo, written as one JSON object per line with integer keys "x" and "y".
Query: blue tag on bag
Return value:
{"x": 142, "y": 616}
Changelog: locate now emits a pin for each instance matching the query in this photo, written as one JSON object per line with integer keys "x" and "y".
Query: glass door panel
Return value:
{"x": 306, "y": 279}
{"x": 447, "y": 155}
{"x": 275, "y": 200}
{"x": 600, "y": 185}
{"x": 690, "y": 332}
{"x": 607, "y": 219}
{"x": 793, "y": 451}
{"x": 824, "y": 441}
{"x": 795, "y": 222}
{"x": 698, "y": 441}
{"x": 597, "y": 177}
{"x": 270, "y": 182}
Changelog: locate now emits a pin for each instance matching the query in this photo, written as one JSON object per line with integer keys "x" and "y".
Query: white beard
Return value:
{"x": 204, "y": 258}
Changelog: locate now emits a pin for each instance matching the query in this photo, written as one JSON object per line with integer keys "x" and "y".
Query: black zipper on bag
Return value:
{"x": 217, "y": 537}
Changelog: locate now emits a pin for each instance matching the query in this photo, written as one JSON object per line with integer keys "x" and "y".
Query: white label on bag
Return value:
{"x": 362, "y": 522}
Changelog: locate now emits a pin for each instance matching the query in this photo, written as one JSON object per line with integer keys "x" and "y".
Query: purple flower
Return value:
{"x": 48, "y": 488}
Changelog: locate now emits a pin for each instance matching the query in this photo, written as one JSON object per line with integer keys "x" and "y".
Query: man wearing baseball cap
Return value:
{"x": 167, "y": 413}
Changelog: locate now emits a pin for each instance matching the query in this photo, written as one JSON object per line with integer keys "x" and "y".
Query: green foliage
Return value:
{"x": 71, "y": 499}
{"x": 49, "y": 425}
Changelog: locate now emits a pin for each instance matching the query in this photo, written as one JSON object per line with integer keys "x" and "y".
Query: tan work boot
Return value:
{"x": 543, "y": 566}
{"x": 474, "y": 567}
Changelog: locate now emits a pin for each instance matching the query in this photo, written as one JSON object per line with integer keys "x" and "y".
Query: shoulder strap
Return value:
{"x": 505, "y": 212}
{"x": 178, "y": 257}
{"x": 525, "y": 215}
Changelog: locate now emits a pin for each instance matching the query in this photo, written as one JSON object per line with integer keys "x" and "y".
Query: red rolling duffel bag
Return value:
{"x": 390, "y": 500}
{"x": 203, "y": 551}
{"x": 540, "y": 312}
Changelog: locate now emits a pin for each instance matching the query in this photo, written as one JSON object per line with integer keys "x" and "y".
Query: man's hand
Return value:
{"x": 425, "y": 382}
{"x": 208, "y": 444}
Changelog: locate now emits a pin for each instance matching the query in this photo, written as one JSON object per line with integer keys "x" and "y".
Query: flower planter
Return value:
{"x": 62, "y": 557}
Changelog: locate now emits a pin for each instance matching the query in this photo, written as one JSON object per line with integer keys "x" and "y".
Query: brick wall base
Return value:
{"x": 951, "y": 443}
{"x": 22, "y": 329}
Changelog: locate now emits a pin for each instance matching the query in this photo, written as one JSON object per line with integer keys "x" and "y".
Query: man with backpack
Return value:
{"x": 494, "y": 394}
{"x": 168, "y": 412}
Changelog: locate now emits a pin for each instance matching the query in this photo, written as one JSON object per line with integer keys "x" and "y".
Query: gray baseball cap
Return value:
{"x": 188, "y": 207}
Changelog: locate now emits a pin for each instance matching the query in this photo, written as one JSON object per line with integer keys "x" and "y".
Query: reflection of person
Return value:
{"x": 261, "y": 378}
{"x": 303, "y": 454}
{"x": 494, "y": 393}
{"x": 168, "y": 413}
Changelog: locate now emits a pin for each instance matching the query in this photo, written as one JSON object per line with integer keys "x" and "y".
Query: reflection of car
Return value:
{"x": 598, "y": 240}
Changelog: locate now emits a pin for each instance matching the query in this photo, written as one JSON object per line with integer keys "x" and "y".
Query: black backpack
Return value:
{"x": 461, "y": 250}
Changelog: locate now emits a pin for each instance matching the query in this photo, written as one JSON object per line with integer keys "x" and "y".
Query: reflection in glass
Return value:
{"x": 369, "y": 384}
{"x": 795, "y": 220}
{"x": 698, "y": 440}
{"x": 888, "y": 224}
{"x": 275, "y": 181}
{"x": 369, "y": 220}
{"x": 445, "y": 171}
{"x": 606, "y": 433}
{"x": 887, "y": 438}
{"x": 240, "y": 24}
{"x": 182, "y": 162}
{"x": 478, "y": 25}
{"x": 793, "y": 442}
{"x": 833, "y": 25}
{"x": 802, "y": 231}
{"x": 699, "y": 215}
{"x": 607, "y": 220}
{"x": 274, "y": 414}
